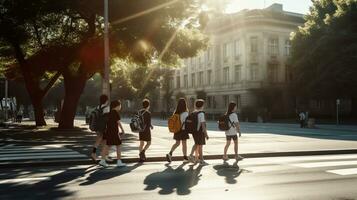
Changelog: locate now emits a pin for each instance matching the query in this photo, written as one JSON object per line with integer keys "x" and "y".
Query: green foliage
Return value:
{"x": 324, "y": 50}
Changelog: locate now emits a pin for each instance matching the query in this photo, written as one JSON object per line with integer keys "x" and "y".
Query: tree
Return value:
{"x": 141, "y": 31}
{"x": 324, "y": 51}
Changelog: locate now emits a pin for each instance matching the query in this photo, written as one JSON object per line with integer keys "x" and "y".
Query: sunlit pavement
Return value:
{"x": 308, "y": 177}
{"x": 29, "y": 145}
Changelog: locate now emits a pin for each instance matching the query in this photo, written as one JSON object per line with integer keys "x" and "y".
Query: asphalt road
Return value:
{"x": 22, "y": 145}
{"x": 309, "y": 177}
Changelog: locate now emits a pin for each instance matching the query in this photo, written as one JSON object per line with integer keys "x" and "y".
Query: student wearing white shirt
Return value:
{"x": 200, "y": 136}
{"x": 182, "y": 135}
{"x": 231, "y": 133}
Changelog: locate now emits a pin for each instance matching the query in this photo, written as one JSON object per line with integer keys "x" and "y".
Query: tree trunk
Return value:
{"x": 73, "y": 89}
{"x": 32, "y": 86}
{"x": 38, "y": 111}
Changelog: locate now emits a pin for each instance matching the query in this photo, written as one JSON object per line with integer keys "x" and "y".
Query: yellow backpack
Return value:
{"x": 174, "y": 123}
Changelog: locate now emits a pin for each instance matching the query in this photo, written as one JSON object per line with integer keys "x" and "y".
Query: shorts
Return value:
{"x": 145, "y": 136}
{"x": 182, "y": 135}
{"x": 231, "y": 137}
{"x": 199, "y": 138}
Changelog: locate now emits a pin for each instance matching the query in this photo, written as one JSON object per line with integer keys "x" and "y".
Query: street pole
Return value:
{"x": 6, "y": 96}
{"x": 337, "y": 110}
{"x": 105, "y": 78}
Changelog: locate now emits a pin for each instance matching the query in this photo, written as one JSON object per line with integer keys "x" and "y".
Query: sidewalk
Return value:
{"x": 259, "y": 140}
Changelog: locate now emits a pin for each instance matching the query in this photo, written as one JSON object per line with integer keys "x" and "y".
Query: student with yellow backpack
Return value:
{"x": 176, "y": 126}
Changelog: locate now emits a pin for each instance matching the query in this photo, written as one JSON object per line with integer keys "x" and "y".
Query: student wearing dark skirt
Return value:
{"x": 145, "y": 136}
{"x": 112, "y": 136}
{"x": 182, "y": 135}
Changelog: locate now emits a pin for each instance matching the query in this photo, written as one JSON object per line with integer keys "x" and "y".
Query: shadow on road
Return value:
{"x": 172, "y": 179}
{"x": 230, "y": 172}
{"x": 98, "y": 174}
{"x": 51, "y": 188}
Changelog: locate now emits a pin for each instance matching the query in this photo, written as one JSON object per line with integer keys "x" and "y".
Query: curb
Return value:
{"x": 5, "y": 165}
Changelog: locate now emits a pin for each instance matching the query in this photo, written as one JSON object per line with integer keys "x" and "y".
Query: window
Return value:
{"x": 185, "y": 81}
{"x": 208, "y": 54}
{"x": 253, "y": 72}
{"x": 178, "y": 81}
{"x": 273, "y": 46}
{"x": 226, "y": 100}
{"x": 238, "y": 70}
{"x": 171, "y": 83}
{"x": 254, "y": 44}
{"x": 209, "y": 101}
{"x": 225, "y": 50}
{"x": 193, "y": 80}
{"x": 287, "y": 47}
{"x": 288, "y": 74}
{"x": 238, "y": 101}
{"x": 226, "y": 75}
{"x": 214, "y": 102}
{"x": 209, "y": 77}
{"x": 273, "y": 73}
{"x": 236, "y": 48}
{"x": 200, "y": 79}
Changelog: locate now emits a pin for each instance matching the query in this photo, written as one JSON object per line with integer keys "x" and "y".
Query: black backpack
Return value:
{"x": 98, "y": 119}
{"x": 137, "y": 123}
{"x": 224, "y": 123}
{"x": 191, "y": 122}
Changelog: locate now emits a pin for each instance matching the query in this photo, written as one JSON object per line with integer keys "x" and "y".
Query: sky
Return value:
{"x": 297, "y": 6}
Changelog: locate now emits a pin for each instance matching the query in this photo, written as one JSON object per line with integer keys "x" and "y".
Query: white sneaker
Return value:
{"x": 103, "y": 163}
{"x": 204, "y": 163}
{"x": 120, "y": 164}
{"x": 191, "y": 158}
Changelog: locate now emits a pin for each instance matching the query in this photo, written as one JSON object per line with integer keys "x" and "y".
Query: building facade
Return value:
{"x": 247, "y": 51}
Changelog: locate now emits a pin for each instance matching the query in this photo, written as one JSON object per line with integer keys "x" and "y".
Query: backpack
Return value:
{"x": 224, "y": 123}
{"x": 174, "y": 123}
{"x": 98, "y": 120}
{"x": 191, "y": 122}
{"x": 137, "y": 123}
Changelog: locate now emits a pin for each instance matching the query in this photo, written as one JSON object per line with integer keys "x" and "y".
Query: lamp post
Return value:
{"x": 105, "y": 78}
{"x": 6, "y": 100}
{"x": 338, "y": 102}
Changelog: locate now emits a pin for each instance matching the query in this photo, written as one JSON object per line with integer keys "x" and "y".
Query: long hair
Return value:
{"x": 181, "y": 106}
{"x": 230, "y": 108}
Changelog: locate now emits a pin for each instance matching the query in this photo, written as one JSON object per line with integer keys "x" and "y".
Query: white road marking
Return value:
{"x": 42, "y": 157}
{"x": 344, "y": 172}
{"x": 22, "y": 180}
{"x": 325, "y": 164}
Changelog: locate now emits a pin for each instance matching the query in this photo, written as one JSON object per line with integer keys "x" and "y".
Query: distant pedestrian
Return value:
{"x": 181, "y": 135}
{"x": 145, "y": 135}
{"x": 233, "y": 128}
{"x": 302, "y": 118}
{"x": 98, "y": 121}
{"x": 112, "y": 136}
{"x": 198, "y": 130}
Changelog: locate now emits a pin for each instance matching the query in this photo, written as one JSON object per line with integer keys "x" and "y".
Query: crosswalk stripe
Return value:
{"x": 41, "y": 154}
{"x": 344, "y": 172}
{"x": 33, "y": 151}
{"x": 325, "y": 164}
{"x": 42, "y": 157}
{"x": 22, "y": 180}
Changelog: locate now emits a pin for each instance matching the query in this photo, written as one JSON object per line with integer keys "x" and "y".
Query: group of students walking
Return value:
{"x": 105, "y": 121}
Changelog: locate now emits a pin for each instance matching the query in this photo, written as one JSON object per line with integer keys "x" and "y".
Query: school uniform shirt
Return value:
{"x": 112, "y": 133}
{"x": 200, "y": 119}
{"x": 183, "y": 117}
{"x": 233, "y": 117}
